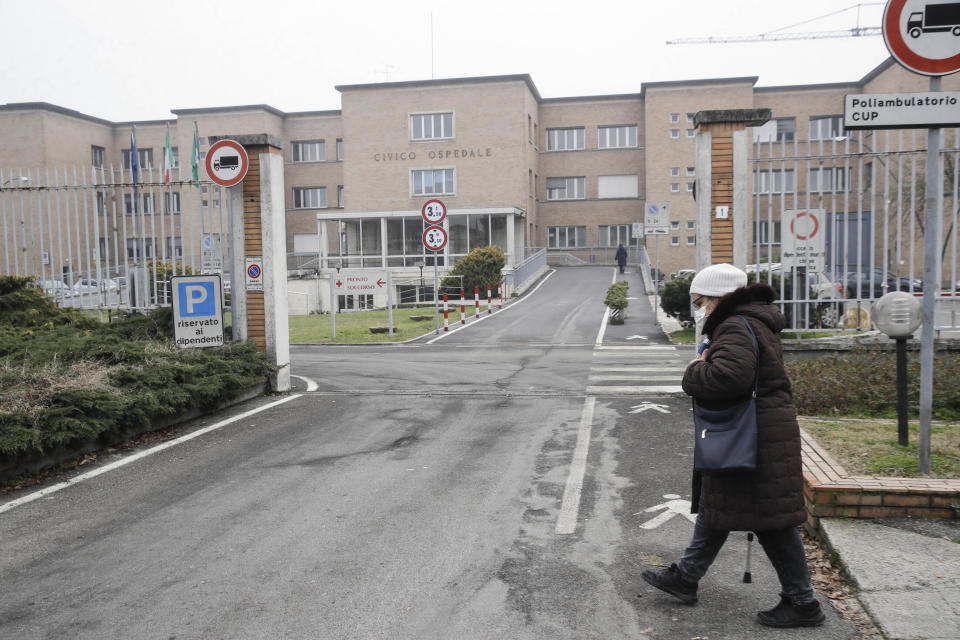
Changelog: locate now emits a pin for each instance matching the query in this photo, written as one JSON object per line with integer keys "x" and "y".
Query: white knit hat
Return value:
{"x": 718, "y": 280}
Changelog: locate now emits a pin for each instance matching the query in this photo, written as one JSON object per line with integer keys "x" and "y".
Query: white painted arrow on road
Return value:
{"x": 636, "y": 337}
{"x": 647, "y": 406}
{"x": 675, "y": 506}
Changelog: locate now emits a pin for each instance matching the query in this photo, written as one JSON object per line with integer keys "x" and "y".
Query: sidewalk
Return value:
{"x": 906, "y": 566}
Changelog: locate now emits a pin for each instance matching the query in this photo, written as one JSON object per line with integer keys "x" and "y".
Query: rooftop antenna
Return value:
{"x": 387, "y": 68}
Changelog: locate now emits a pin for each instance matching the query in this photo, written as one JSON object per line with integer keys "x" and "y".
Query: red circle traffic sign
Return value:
{"x": 434, "y": 238}
{"x": 816, "y": 225}
{"x": 227, "y": 162}
{"x": 433, "y": 211}
{"x": 923, "y": 39}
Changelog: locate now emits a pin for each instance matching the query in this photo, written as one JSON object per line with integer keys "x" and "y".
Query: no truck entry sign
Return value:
{"x": 923, "y": 36}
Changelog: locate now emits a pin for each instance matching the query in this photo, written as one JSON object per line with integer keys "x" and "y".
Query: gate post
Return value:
{"x": 258, "y": 230}
{"x": 723, "y": 180}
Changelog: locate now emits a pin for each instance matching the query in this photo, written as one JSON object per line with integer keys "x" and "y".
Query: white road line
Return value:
{"x": 606, "y": 317}
{"x": 570, "y": 507}
{"x": 674, "y": 369}
{"x": 635, "y": 349}
{"x": 137, "y": 456}
{"x": 311, "y": 384}
{"x": 601, "y": 390}
{"x": 625, "y": 378}
{"x": 444, "y": 334}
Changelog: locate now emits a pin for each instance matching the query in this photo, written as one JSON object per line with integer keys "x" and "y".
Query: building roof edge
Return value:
{"x": 524, "y": 77}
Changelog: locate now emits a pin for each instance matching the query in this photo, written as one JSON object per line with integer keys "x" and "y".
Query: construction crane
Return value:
{"x": 781, "y": 34}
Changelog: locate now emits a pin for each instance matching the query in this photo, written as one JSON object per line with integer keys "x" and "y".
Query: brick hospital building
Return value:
{"x": 514, "y": 168}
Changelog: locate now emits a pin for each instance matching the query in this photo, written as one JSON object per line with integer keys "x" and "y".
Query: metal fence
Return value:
{"x": 864, "y": 194}
{"x": 94, "y": 239}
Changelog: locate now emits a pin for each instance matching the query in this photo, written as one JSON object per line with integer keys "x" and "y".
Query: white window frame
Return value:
{"x": 691, "y": 133}
{"x": 622, "y": 233}
{"x": 95, "y": 152}
{"x": 297, "y": 148}
{"x": 674, "y": 118}
{"x": 674, "y": 187}
{"x": 674, "y": 172}
{"x": 691, "y": 225}
{"x": 579, "y": 189}
{"x": 691, "y": 172}
{"x": 434, "y": 192}
{"x": 302, "y": 199}
{"x": 172, "y": 201}
{"x": 690, "y": 187}
{"x": 675, "y": 241}
{"x": 690, "y": 117}
{"x": 674, "y": 225}
{"x": 674, "y": 134}
{"x": 579, "y": 234}
{"x": 829, "y": 179}
{"x": 818, "y": 123}
{"x": 617, "y": 136}
{"x": 424, "y": 117}
{"x": 558, "y": 138}
{"x": 768, "y": 182}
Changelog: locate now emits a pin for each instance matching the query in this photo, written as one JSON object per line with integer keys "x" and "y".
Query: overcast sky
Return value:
{"x": 127, "y": 60}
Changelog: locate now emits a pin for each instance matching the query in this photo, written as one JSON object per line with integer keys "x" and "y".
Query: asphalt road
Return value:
{"x": 507, "y": 480}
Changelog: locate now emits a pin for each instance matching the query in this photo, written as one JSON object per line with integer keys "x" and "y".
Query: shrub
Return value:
{"x": 617, "y": 295}
{"x": 675, "y": 299}
{"x": 479, "y": 268}
{"x": 67, "y": 380}
{"x": 863, "y": 384}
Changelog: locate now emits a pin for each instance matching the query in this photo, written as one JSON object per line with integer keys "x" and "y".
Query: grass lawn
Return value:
{"x": 355, "y": 327}
{"x": 869, "y": 447}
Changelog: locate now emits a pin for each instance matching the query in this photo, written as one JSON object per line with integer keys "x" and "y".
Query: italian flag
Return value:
{"x": 167, "y": 160}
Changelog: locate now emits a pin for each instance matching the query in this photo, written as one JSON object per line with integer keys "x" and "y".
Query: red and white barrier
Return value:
{"x": 489, "y": 303}
{"x": 463, "y": 307}
{"x": 499, "y": 296}
{"x": 446, "y": 314}
{"x": 476, "y": 300}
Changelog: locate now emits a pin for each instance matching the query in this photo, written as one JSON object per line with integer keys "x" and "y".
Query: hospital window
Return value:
{"x": 431, "y": 126}
{"x": 310, "y": 198}
{"x": 309, "y": 150}
{"x": 566, "y": 237}
{"x": 566, "y": 188}
{"x": 826, "y": 127}
{"x": 774, "y": 181}
{"x": 432, "y": 182}
{"x": 613, "y": 235}
{"x": 617, "y": 137}
{"x": 569, "y": 139}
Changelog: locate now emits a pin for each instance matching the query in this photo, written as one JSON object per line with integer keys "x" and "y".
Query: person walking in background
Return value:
{"x": 621, "y": 257}
{"x": 769, "y": 499}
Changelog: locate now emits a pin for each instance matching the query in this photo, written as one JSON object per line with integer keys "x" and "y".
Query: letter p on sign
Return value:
{"x": 197, "y": 299}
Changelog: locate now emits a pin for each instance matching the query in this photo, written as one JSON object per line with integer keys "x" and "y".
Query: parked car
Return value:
{"x": 51, "y": 287}
{"x": 823, "y": 287}
{"x": 877, "y": 282}
{"x": 88, "y": 285}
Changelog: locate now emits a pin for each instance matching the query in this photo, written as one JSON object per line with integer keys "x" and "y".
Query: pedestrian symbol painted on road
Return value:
{"x": 675, "y": 506}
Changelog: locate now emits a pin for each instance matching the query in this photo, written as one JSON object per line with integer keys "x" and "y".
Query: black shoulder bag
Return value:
{"x": 726, "y": 440}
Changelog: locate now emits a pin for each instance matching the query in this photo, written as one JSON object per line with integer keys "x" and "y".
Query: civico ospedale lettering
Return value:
{"x": 442, "y": 154}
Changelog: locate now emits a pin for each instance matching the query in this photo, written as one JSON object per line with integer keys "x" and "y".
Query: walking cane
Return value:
{"x": 747, "y": 578}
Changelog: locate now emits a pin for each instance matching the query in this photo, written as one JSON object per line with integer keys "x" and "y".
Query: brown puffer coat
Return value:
{"x": 771, "y": 496}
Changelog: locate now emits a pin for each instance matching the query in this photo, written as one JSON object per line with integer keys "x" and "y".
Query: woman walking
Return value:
{"x": 769, "y": 499}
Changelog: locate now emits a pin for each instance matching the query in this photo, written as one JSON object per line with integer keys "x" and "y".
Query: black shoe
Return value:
{"x": 786, "y": 614}
{"x": 669, "y": 580}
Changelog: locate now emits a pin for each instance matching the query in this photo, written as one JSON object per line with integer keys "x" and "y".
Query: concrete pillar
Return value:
{"x": 258, "y": 229}
{"x": 723, "y": 179}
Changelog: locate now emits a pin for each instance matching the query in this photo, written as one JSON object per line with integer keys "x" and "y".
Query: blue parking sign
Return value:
{"x": 196, "y": 299}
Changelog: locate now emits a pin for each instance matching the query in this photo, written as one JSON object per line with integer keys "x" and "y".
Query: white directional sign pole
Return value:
{"x": 433, "y": 213}
{"x": 657, "y": 223}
